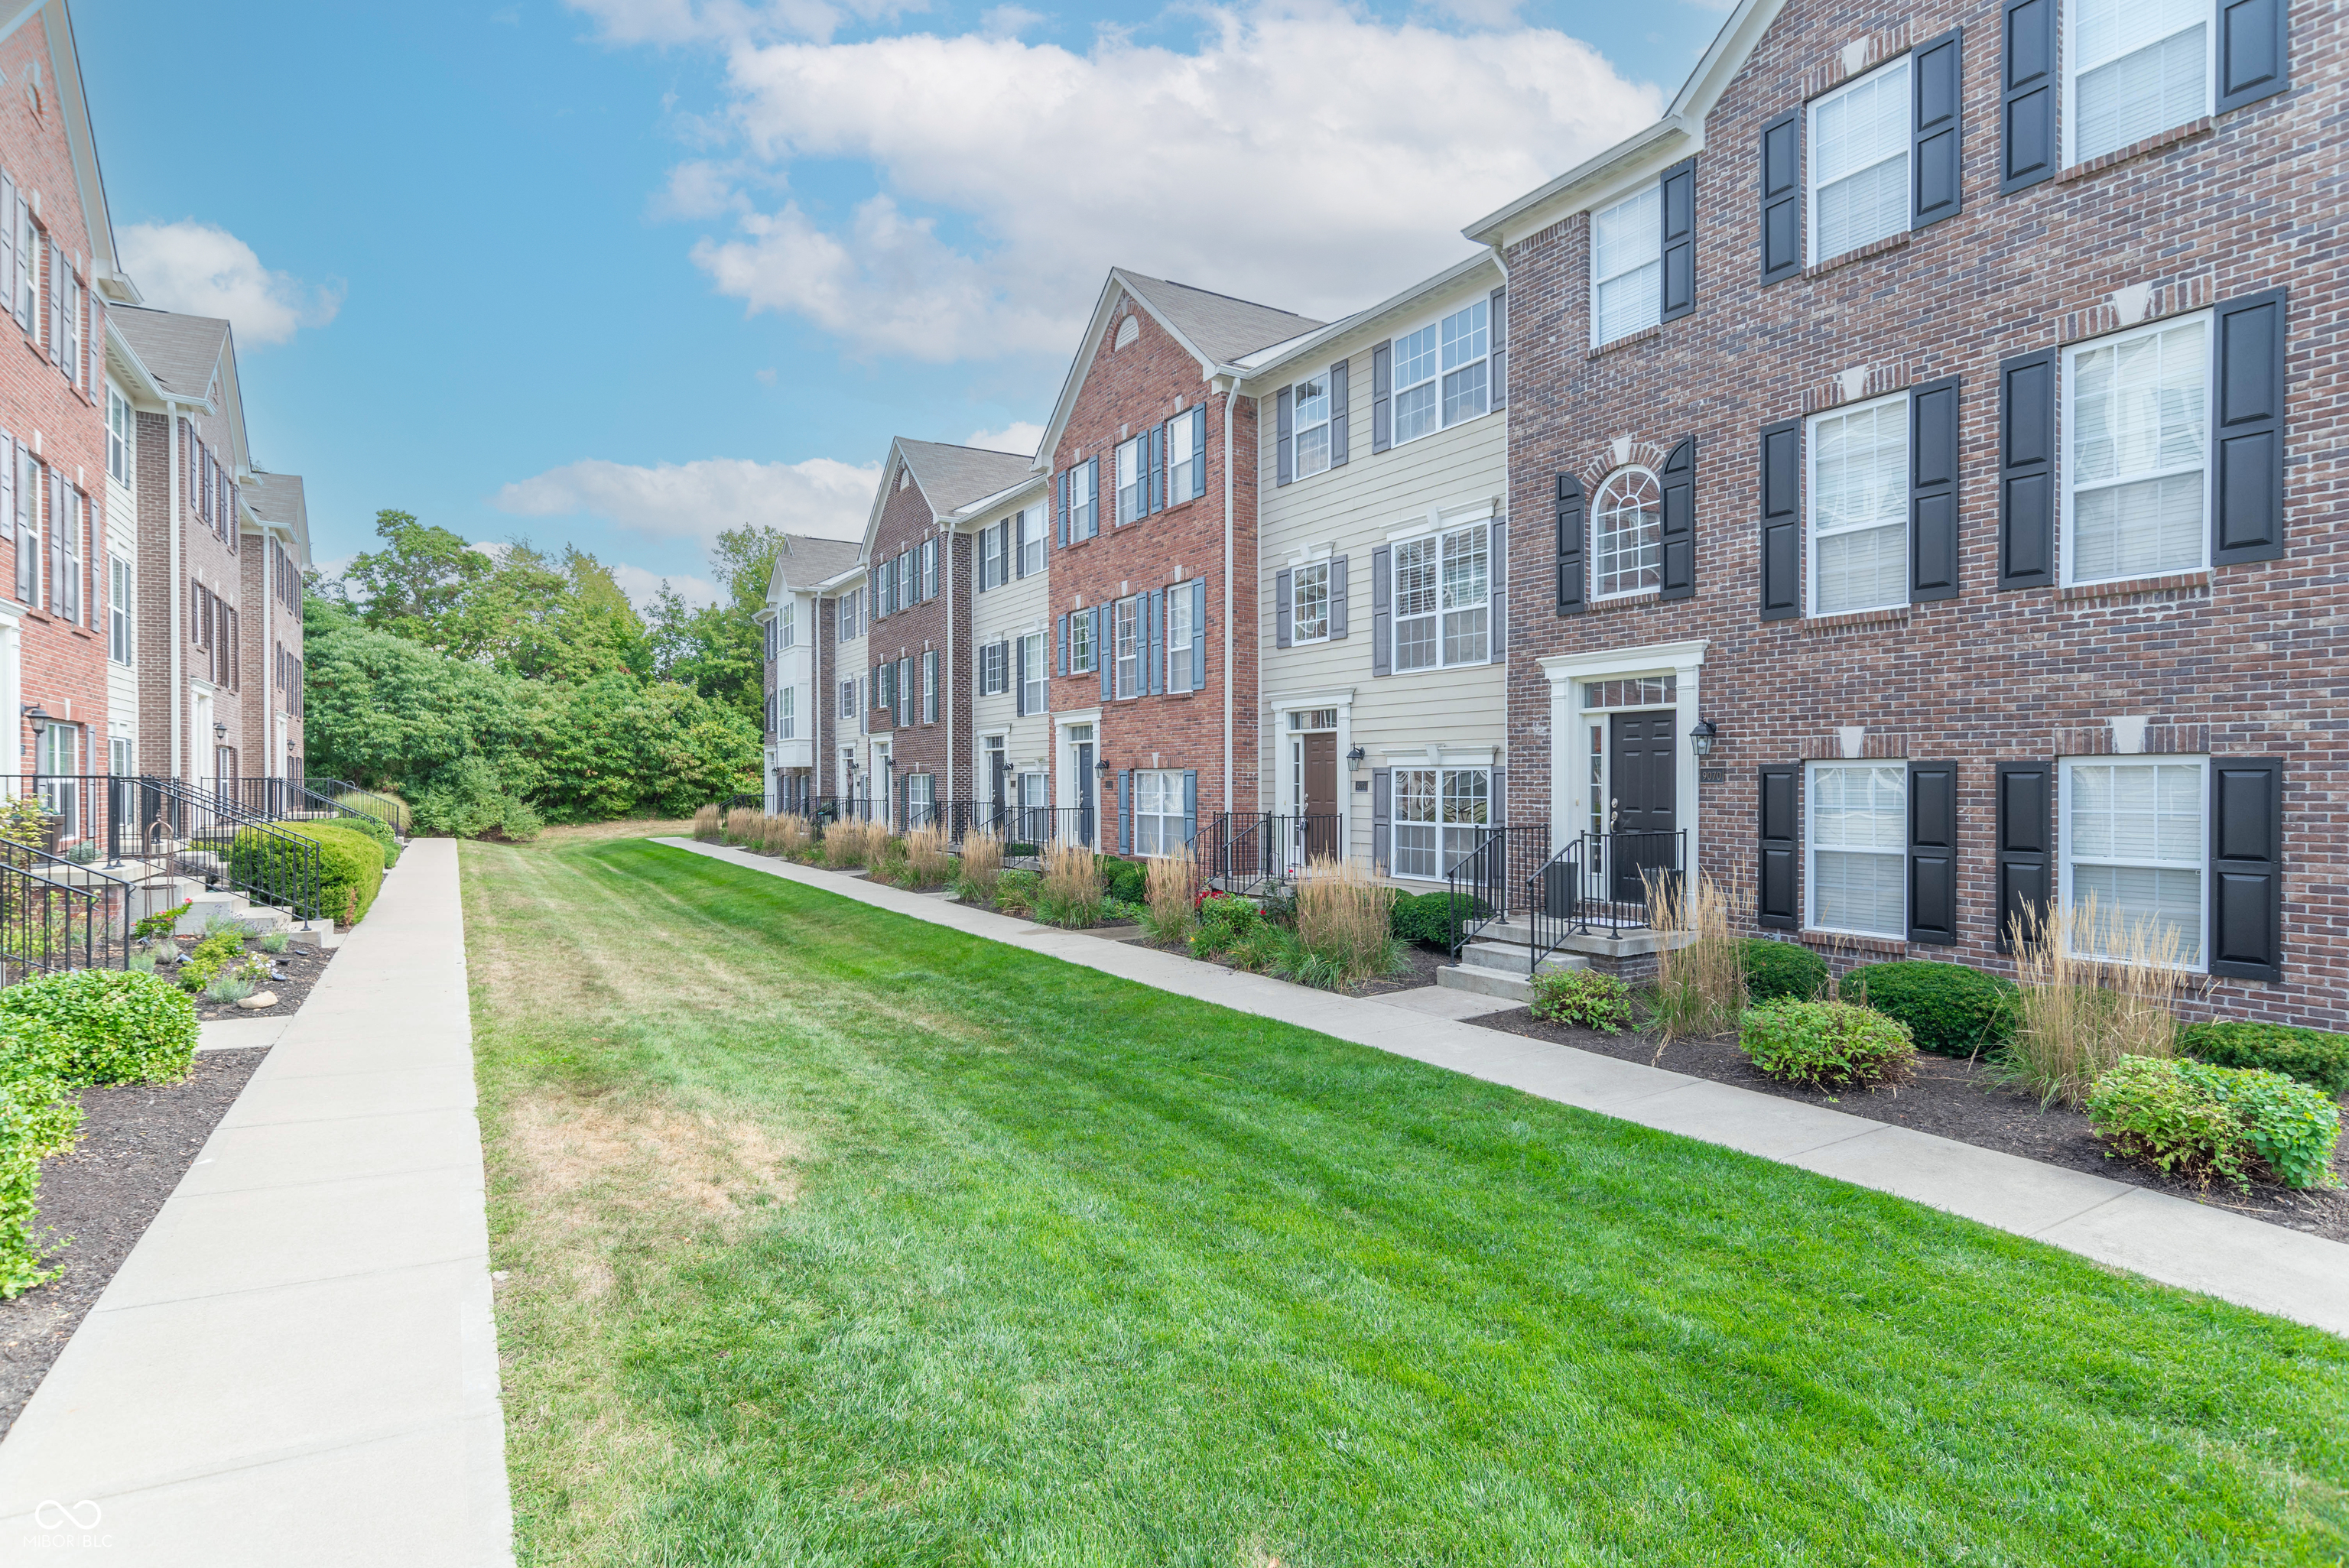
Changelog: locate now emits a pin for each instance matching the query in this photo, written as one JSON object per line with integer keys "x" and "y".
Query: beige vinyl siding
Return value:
{"x": 1018, "y": 606}
{"x": 793, "y": 666}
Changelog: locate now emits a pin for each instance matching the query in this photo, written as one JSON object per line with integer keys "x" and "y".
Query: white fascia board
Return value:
{"x": 1265, "y": 361}
{"x": 975, "y": 513}
{"x": 1667, "y": 141}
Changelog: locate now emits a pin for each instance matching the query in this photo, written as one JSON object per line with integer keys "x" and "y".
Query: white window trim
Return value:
{"x": 1296, "y": 587}
{"x": 1440, "y": 762}
{"x": 1394, "y": 614}
{"x": 1811, "y": 257}
{"x": 1140, "y": 650}
{"x": 1091, "y": 667}
{"x": 1591, "y": 588}
{"x": 1436, "y": 320}
{"x": 1810, "y": 849}
{"x": 1601, "y": 210}
{"x": 1811, "y": 502}
{"x": 2067, "y": 427}
{"x": 2063, "y": 767}
{"x": 2068, "y": 111}
{"x": 1040, "y": 679}
{"x": 1139, "y": 445}
{"x": 1297, "y": 433}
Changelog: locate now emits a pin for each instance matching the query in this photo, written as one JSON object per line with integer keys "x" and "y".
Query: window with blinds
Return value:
{"x": 1857, "y": 827}
{"x": 2138, "y": 489}
{"x": 1859, "y": 507}
{"x": 1860, "y": 161}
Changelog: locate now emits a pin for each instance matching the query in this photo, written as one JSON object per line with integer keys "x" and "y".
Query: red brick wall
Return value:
{"x": 2252, "y": 202}
{"x": 939, "y": 624}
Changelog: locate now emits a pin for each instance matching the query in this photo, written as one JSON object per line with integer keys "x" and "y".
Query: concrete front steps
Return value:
{"x": 1495, "y": 962}
{"x": 207, "y": 909}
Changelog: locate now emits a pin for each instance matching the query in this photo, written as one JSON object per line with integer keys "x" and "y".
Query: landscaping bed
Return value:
{"x": 1958, "y": 1100}
{"x": 294, "y": 974}
{"x": 136, "y": 1141}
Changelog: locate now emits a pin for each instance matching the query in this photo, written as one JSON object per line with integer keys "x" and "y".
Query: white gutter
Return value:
{"x": 1230, "y": 388}
{"x": 179, "y": 595}
{"x": 954, "y": 640}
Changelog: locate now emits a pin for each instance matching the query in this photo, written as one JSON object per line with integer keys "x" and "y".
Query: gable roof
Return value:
{"x": 953, "y": 477}
{"x": 72, "y": 103}
{"x": 179, "y": 351}
{"x": 1414, "y": 298}
{"x": 279, "y": 499}
{"x": 804, "y": 560}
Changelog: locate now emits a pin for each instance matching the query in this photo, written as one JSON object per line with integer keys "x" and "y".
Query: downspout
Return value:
{"x": 1230, "y": 387}
{"x": 179, "y": 598}
{"x": 946, "y": 547}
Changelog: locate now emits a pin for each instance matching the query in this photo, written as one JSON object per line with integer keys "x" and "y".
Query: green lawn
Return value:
{"x": 835, "y": 1238}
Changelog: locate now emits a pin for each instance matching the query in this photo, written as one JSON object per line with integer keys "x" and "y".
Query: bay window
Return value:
{"x": 1859, "y": 507}
{"x": 1858, "y": 839}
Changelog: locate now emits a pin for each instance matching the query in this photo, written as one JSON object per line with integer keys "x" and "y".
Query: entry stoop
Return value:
{"x": 1494, "y": 964}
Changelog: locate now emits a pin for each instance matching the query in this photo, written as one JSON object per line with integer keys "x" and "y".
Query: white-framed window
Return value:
{"x": 921, "y": 799}
{"x": 990, "y": 558}
{"x": 1084, "y": 522}
{"x": 2135, "y": 839}
{"x": 1442, "y": 373}
{"x": 1442, "y": 599}
{"x": 1440, "y": 815}
{"x": 1856, "y": 836}
{"x": 2136, "y": 69}
{"x": 786, "y": 711}
{"x": 1627, "y": 521}
{"x": 784, "y": 617}
{"x": 1627, "y": 267}
{"x": 1126, "y": 642}
{"x": 1080, "y": 642}
{"x": 1309, "y": 409}
{"x": 1858, "y": 147}
{"x": 1033, "y": 796}
{"x": 1858, "y": 497}
{"x": 1036, "y": 664}
{"x": 119, "y": 607}
{"x": 58, "y": 758}
{"x": 848, "y": 700}
{"x": 1159, "y": 826}
{"x": 1309, "y": 613}
{"x": 31, "y": 245}
{"x": 992, "y": 658}
{"x": 120, "y": 441}
{"x": 1134, "y": 478}
{"x": 1178, "y": 637}
{"x": 1185, "y": 434}
{"x": 1031, "y": 528}
{"x": 930, "y": 685}
{"x": 122, "y": 755}
{"x": 2136, "y": 483}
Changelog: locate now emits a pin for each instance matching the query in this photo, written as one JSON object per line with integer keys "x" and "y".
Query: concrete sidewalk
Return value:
{"x": 296, "y": 1363}
{"x": 2230, "y": 1256}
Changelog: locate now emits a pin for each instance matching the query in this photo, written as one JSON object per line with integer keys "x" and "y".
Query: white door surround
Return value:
{"x": 1569, "y": 803}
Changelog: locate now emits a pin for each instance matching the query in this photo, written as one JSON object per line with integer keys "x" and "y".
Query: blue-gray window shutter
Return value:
{"x": 1155, "y": 498}
{"x": 2246, "y": 431}
{"x": 1104, "y": 657}
{"x": 1383, "y": 395}
{"x": 1125, "y": 810}
{"x": 1198, "y": 633}
{"x": 1064, "y": 645}
{"x": 1190, "y": 805}
{"x": 1782, "y": 520}
{"x": 1093, "y": 506}
{"x": 1500, "y": 796}
{"x": 1781, "y": 196}
{"x": 1936, "y": 93}
{"x": 1678, "y": 532}
{"x": 2247, "y": 867}
{"x": 1381, "y": 615}
{"x": 2026, "y": 470}
{"x": 1933, "y": 492}
{"x": 1337, "y": 596}
{"x": 1573, "y": 528}
{"x": 1934, "y": 852}
{"x": 1283, "y": 596}
{"x": 1337, "y": 413}
{"x": 2254, "y": 51}
{"x": 1199, "y": 445}
{"x": 1680, "y": 240}
{"x": 2026, "y": 97}
{"x": 1497, "y": 644}
{"x": 1154, "y": 653}
{"x": 1061, "y": 489}
{"x": 1382, "y": 818}
{"x": 1775, "y": 900}
{"x": 1284, "y": 446}
{"x": 1498, "y": 320}
{"x": 2025, "y": 862}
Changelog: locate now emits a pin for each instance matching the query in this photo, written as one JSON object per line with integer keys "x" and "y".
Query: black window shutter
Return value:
{"x": 2246, "y": 431}
{"x": 1497, "y": 620}
{"x": 1383, "y": 395}
{"x": 2027, "y": 795}
{"x": 1284, "y": 462}
{"x": 1573, "y": 528}
{"x": 1498, "y": 320}
{"x": 2254, "y": 52}
{"x": 1680, "y": 240}
{"x": 1775, "y": 901}
{"x": 1678, "y": 532}
{"x": 1933, "y": 491}
{"x": 2026, "y": 470}
{"x": 1019, "y": 678}
{"x": 2026, "y": 100}
{"x": 1781, "y": 196}
{"x": 1934, "y": 852}
{"x": 1337, "y": 415}
{"x": 2247, "y": 867}
{"x": 1782, "y": 520}
{"x": 1283, "y": 592}
{"x": 1381, "y": 614}
{"x": 1936, "y": 89}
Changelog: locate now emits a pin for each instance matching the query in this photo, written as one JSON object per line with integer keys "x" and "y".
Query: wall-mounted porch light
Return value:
{"x": 1702, "y": 738}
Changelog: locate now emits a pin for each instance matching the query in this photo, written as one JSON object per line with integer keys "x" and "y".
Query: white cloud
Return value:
{"x": 1308, "y": 156}
{"x": 696, "y": 188}
{"x": 694, "y": 500}
{"x": 1021, "y": 436}
{"x": 641, "y": 586}
{"x": 1008, "y": 21}
{"x": 199, "y": 269}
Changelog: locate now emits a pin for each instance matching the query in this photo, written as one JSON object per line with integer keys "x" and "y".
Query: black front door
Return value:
{"x": 1086, "y": 785}
{"x": 1643, "y": 820}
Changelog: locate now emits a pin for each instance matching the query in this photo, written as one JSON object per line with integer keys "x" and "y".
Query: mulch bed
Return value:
{"x": 302, "y": 967}
{"x": 1958, "y": 1100}
{"x": 137, "y": 1142}
{"x": 1421, "y": 962}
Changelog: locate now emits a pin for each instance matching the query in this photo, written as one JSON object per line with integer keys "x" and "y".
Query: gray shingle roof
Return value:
{"x": 1220, "y": 325}
{"x": 953, "y": 477}
{"x": 182, "y": 351}
{"x": 278, "y": 498}
{"x": 805, "y": 560}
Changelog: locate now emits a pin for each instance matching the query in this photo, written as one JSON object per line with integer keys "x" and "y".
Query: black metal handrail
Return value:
{"x": 1554, "y": 903}
{"x": 1603, "y": 880}
{"x": 286, "y": 800}
{"x": 49, "y": 926}
{"x": 1488, "y": 883}
{"x": 825, "y": 808}
{"x": 1252, "y": 848}
{"x": 389, "y": 808}
{"x": 204, "y": 832}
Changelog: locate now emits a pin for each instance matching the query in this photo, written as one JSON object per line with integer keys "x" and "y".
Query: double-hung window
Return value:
{"x": 1857, "y": 837}
{"x": 1030, "y": 527}
{"x": 993, "y": 660}
{"x": 1084, "y": 520}
{"x": 990, "y": 558}
{"x": 930, "y": 568}
{"x": 1186, "y": 435}
{"x": 786, "y": 711}
{"x": 1627, "y": 267}
{"x": 1312, "y": 427}
{"x": 117, "y": 609}
{"x": 1627, "y": 535}
{"x": 784, "y": 617}
{"x": 930, "y": 686}
{"x": 1035, "y": 670}
{"x": 1178, "y": 637}
{"x": 1126, "y": 641}
{"x": 2138, "y": 68}
{"x": 1442, "y": 373}
{"x": 1159, "y": 822}
{"x": 119, "y": 439}
{"x": 1134, "y": 478}
{"x": 1859, "y": 143}
{"x": 921, "y": 799}
{"x": 1439, "y": 818}
{"x": 1309, "y": 613}
{"x": 1442, "y": 599}
{"x": 2136, "y": 490}
{"x": 848, "y": 700}
{"x": 1859, "y": 507}
{"x": 2135, "y": 836}
{"x": 1080, "y": 641}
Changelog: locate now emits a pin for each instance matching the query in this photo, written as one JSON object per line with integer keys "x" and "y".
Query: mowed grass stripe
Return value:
{"x": 1074, "y": 1271}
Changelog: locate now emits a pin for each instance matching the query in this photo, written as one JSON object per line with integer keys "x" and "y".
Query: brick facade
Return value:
{"x": 925, "y": 623}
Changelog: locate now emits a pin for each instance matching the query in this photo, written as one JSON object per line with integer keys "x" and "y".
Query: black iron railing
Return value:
{"x": 825, "y": 808}
{"x": 286, "y": 800}
{"x": 1602, "y": 884}
{"x": 1488, "y": 883}
{"x": 1248, "y": 849}
{"x": 199, "y": 831}
{"x": 743, "y": 801}
{"x": 47, "y": 926}
{"x": 387, "y": 808}
{"x": 1027, "y": 830}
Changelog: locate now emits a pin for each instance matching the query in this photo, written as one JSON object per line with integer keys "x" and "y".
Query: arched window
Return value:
{"x": 1628, "y": 520}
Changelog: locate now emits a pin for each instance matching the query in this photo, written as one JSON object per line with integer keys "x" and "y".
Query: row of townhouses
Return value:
{"x": 151, "y": 613}
{"x": 1905, "y": 483}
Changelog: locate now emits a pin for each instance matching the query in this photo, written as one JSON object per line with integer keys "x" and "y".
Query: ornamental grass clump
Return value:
{"x": 710, "y": 824}
{"x": 2095, "y": 989}
{"x": 1582, "y": 998}
{"x": 1700, "y": 982}
{"x": 1073, "y": 887}
{"x": 2194, "y": 1122}
{"x": 982, "y": 866}
{"x": 1170, "y": 898}
{"x": 746, "y": 826}
{"x": 928, "y": 864}
{"x": 786, "y": 833}
{"x": 848, "y": 845}
{"x": 1342, "y": 932}
{"x": 1825, "y": 1044}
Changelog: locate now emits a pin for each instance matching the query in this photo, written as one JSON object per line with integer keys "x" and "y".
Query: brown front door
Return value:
{"x": 1319, "y": 829}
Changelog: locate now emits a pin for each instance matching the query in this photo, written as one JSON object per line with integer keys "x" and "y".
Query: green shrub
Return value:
{"x": 1127, "y": 879}
{"x": 1426, "y": 918}
{"x": 38, "y": 1116}
{"x": 1014, "y": 893}
{"x": 1580, "y": 997}
{"x": 2192, "y": 1119}
{"x": 2311, "y": 1056}
{"x": 2289, "y": 1125}
{"x": 1828, "y": 1044}
{"x": 1224, "y": 923}
{"x": 206, "y": 959}
{"x": 110, "y": 1026}
{"x": 1782, "y": 970}
{"x": 350, "y": 865}
{"x": 162, "y": 922}
{"x": 1951, "y": 1010}
{"x": 377, "y": 829}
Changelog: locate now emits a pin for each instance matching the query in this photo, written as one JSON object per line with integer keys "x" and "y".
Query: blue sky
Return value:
{"x": 626, "y": 271}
